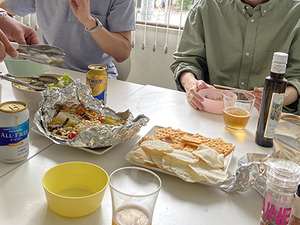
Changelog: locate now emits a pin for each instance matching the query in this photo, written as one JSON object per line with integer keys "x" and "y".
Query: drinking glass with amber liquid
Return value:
{"x": 237, "y": 108}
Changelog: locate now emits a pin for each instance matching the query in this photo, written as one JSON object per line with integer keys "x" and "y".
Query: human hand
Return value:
{"x": 192, "y": 95}
{"x": 6, "y": 47}
{"x": 258, "y": 92}
{"x": 81, "y": 9}
{"x": 18, "y": 32}
{"x": 13, "y": 30}
{"x": 191, "y": 86}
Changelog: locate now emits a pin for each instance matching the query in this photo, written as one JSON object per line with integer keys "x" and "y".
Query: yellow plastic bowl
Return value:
{"x": 75, "y": 189}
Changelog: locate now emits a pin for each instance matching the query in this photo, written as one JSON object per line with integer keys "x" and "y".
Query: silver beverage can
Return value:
{"x": 14, "y": 131}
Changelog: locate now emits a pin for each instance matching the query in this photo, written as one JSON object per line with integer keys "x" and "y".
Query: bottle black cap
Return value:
{"x": 298, "y": 191}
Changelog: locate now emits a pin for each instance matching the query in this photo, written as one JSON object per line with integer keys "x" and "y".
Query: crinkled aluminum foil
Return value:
{"x": 251, "y": 172}
{"x": 78, "y": 93}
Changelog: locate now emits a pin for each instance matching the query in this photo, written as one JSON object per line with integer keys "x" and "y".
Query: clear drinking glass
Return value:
{"x": 237, "y": 108}
{"x": 134, "y": 191}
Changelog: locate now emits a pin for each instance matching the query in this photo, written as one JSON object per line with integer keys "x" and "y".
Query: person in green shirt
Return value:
{"x": 231, "y": 43}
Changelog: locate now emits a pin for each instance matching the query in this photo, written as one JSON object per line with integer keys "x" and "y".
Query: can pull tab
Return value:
{"x": 14, "y": 107}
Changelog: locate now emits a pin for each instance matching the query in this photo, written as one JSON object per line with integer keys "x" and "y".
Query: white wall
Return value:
{"x": 148, "y": 67}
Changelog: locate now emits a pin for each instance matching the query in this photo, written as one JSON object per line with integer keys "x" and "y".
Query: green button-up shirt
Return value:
{"x": 229, "y": 43}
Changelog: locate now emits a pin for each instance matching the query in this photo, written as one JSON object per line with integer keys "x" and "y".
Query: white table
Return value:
{"x": 117, "y": 91}
{"x": 22, "y": 200}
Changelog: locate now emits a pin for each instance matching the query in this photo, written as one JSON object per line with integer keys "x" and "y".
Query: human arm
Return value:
{"x": 291, "y": 100}
{"x": 290, "y": 96}
{"x": 5, "y": 46}
{"x": 191, "y": 54}
{"x": 189, "y": 66}
{"x": 115, "y": 44}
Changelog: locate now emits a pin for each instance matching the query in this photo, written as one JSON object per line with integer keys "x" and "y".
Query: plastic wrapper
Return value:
{"x": 77, "y": 94}
{"x": 287, "y": 140}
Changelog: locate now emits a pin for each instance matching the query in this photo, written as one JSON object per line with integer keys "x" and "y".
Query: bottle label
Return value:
{"x": 14, "y": 134}
{"x": 274, "y": 114}
{"x": 274, "y": 214}
{"x": 278, "y": 68}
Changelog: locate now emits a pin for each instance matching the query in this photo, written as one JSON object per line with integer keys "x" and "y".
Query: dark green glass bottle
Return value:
{"x": 272, "y": 101}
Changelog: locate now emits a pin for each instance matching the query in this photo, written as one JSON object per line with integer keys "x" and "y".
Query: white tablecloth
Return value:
{"x": 22, "y": 199}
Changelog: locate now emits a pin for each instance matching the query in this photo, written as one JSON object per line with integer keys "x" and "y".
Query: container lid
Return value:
{"x": 291, "y": 118}
{"x": 12, "y": 106}
{"x": 280, "y": 57}
{"x": 97, "y": 67}
{"x": 284, "y": 173}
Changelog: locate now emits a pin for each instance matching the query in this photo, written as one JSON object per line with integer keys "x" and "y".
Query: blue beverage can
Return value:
{"x": 96, "y": 78}
{"x": 14, "y": 131}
